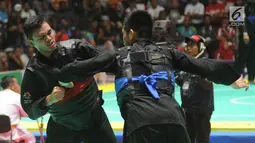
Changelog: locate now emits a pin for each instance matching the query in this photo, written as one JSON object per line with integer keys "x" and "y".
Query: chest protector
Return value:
{"x": 146, "y": 59}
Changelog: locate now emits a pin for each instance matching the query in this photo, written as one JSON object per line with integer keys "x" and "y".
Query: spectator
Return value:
{"x": 175, "y": 12}
{"x": 14, "y": 59}
{"x": 116, "y": 12}
{"x": 30, "y": 52}
{"x": 15, "y": 31}
{"x": 63, "y": 12}
{"x": 225, "y": 51}
{"x": 107, "y": 32}
{"x": 187, "y": 30}
{"x": 226, "y": 32}
{"x": 163, "y": 15}
{"x": 10, "y": 105}
{"x": 216, "y": 10}
{"x": 27, "y": 12}
{"x": 62, "y": 33}
{"x": 132, "y": 7}
{"x": 3, "y": 23}
{"x": 96, "y": 11}
{"x": 46, "y": 12}
{"x": 155, "y": 9}
{"x": 208, "y": 32}
{"x": 195, "y": 10}
{"x": 3, "y": 11}
{"x": 3, "y": 62}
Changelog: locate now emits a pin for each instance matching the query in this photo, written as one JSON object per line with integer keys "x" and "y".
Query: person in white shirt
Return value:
{"x": 195, "y": 10}
{"x": 155, "y": 9}
{"x": 10, "y": 105}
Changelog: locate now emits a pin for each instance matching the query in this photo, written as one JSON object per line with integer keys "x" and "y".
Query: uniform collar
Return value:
{"x": 49, "y": 61}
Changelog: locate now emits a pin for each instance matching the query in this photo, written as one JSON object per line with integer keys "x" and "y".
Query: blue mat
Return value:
{"x": 216, "y": 137}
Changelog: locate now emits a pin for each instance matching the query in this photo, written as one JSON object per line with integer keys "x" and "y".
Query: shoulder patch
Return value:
{"x": 27, "y": 98}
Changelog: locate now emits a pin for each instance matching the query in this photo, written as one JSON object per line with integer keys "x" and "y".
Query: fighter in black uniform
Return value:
{"x": 144, "y": 83}
{"x": 196, "y": 95}
{"x": 70, "y": 96}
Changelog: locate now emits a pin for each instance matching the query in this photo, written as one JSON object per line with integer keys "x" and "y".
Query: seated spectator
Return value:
{"x": 14, "y": 60}
{"x": 10, "y": 105}
{"x": 3, "y": 62}
{"x": 27, "y": 12}
{"x": 187, "y": 29}
{"x": 195, "y": 10}
{"x": 155, "y": 9}
{"x": 175, "y": 12}
{"x": 225, "y": 51}
{"x": 29, "y": 53}
{"x": 226, "y": 32}
{"x": 216, "y": 10}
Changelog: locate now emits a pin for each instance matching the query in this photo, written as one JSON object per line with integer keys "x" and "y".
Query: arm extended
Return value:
{"x": 217, "y": 71}
{"x": 94, "y": 60}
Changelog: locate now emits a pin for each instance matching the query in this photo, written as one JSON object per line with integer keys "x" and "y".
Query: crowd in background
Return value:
{"x": 99, "y": 22}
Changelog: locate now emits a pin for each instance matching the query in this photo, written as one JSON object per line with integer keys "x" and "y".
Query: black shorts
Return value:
{"x": 101, "y": 132}
{"x": 161, "y": 133}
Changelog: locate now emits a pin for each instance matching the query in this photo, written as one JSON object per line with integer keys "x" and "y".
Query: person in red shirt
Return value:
{"x": 225, "y": 51}
{"x": 216, "y": 10}
{"x": 61, "y": 35}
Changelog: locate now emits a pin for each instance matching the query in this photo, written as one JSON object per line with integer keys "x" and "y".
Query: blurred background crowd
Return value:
{"x": 99, "y": 22}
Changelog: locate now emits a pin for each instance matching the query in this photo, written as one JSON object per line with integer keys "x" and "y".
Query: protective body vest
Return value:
{"x": 146, "y": 69}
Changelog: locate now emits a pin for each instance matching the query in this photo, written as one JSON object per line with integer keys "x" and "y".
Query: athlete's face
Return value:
{"x": 191, "y": 49}
{"x": 43, "y": 39}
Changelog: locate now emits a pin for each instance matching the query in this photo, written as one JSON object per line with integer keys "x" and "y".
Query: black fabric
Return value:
{"x": 161, "y": 133}
{"x": 199, "y": 126}
{"x": 140, "y": 109}
{"x": 196, "y": 92}
{"x": 43, "y": 74}
{"x": 101, "y": 132}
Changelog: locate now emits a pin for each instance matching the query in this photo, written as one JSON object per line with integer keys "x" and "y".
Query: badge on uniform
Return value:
{"x": 27, "y": 98}
{"x": 185, "y": 85}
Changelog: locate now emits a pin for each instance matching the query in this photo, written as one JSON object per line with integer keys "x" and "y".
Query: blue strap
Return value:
{"x": 150, "y": 82}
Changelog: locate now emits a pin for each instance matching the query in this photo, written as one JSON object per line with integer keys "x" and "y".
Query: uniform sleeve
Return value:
{"x": 32, "y": 98}
{"x": 94, "y": 59}
{"x": 217, "y": 71}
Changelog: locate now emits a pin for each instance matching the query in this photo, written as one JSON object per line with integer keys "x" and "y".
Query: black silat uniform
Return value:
{"x": 198, "y": 103}
{"x": 153, "y": 119}
{"x": 79, "y": 116}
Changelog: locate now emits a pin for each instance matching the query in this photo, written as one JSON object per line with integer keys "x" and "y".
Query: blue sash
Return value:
{"x": 150, "y": 82}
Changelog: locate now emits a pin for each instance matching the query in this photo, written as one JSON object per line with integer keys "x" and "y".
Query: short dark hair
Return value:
{"x": 32, "y": 24}
{"x": 6, "y": 81}
{"x": 141, "y": 22}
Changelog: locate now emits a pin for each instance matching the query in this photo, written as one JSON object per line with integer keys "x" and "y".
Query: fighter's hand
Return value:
{"x": 57, "y": 94}
{"x": 240, "y": 83}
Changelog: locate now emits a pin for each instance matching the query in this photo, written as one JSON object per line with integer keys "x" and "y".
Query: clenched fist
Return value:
{"x": 56, "y": 95}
